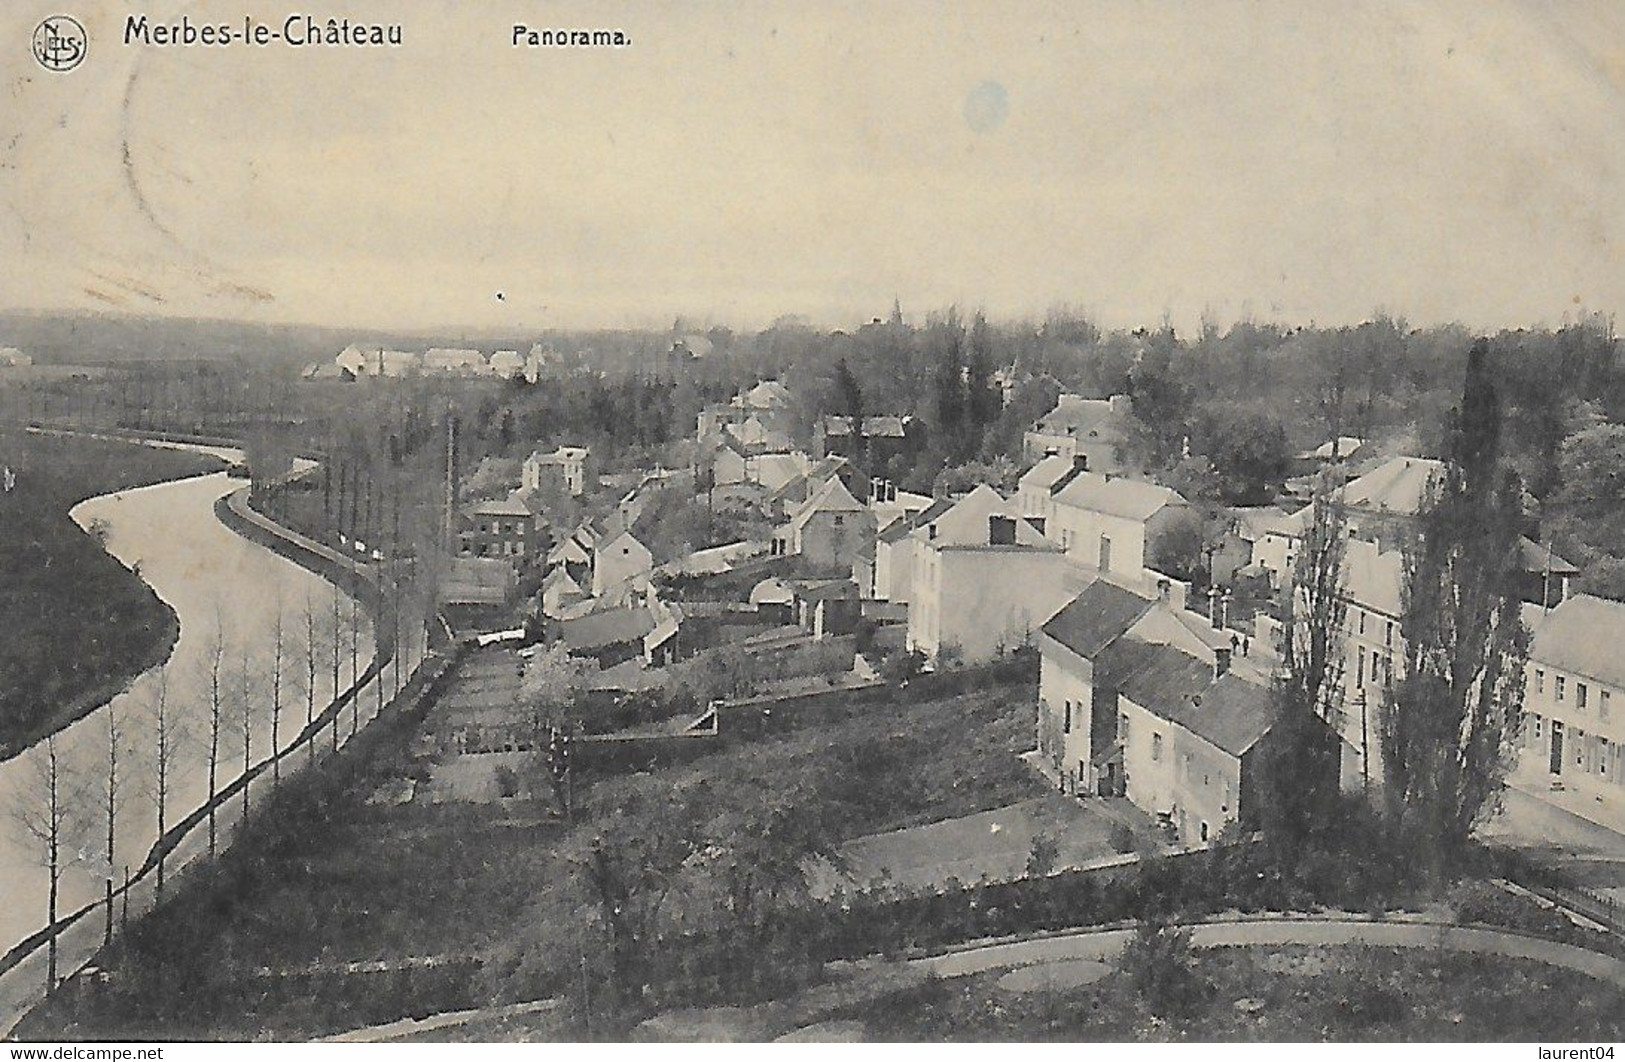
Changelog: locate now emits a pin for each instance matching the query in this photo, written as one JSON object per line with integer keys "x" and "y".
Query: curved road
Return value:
{"x": 1103, "y": 945}
{"x": 216, "y": 582}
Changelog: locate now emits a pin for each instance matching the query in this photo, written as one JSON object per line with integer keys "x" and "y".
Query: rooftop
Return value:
{"x": 967, "y": 522}
{"x": 1398, "y": 485}
{"x": 1046, "y": 473}
{"x": 1121, "y": 496}
{"x": 1084, "y": 418}
{"x": 877, "y": 427}
{"x": 1096, "y": 618}
{"x": 1583, "y": 635}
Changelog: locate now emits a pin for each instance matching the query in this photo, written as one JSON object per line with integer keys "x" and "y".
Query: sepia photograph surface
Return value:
{"x": 931, "y": 522}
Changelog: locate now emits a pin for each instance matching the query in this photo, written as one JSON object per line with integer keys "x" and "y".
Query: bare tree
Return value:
{"x": 166, "y": 742}
{"x": 245, "y": 694}
{"x": 278, "y": 638}
{"x": 45, "y": 816}
{"x": 337, "y": 642}
{"x": 112, "y": 792}
{"x": 312, "y": 654}
{"x": 214, "y": 681}
{"x": 355, "y": 664}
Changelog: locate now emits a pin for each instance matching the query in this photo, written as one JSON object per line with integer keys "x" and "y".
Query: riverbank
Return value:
{"x": 80, "y": 625}
{"x": 226, "y": 588}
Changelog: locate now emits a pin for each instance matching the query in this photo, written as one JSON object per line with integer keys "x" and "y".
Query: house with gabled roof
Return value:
{"x": 1097, "y": 431}
{"x": 1109, "y": 521}
{"x": 984, "y": 581}
{"x": 1036, "y": 487}
{"x": 1136, "y": 699}
{"x": 618, "y": 560}
{"x": 767, "y": 402}
{"x": 879, "y": 438}
{"x": 829, "y": 530}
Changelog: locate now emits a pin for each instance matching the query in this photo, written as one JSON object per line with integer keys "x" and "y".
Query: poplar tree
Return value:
{"x": 1447, "y": 724}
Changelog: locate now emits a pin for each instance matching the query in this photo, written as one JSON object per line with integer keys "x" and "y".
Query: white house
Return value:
{"x": 507, "y": 364}
{"x": 1035, "y": 489}
{"x": 618, "y": 561}
{"x": 1076, "y": 728}
{"x": 1190, "y": 740}
{"x": 1572, "y": 741}
{"x": 1106, "y": 521}
{"x": 984, "y": 581}
{"x": 893, "y": 573}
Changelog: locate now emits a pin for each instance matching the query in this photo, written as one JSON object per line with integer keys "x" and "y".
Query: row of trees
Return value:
{"x": 74, "y": 801}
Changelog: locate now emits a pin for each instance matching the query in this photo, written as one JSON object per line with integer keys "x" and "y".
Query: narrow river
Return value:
{"x": 229, "y": 594}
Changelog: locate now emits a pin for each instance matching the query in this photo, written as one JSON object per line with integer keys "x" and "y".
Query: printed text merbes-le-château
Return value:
{"x": 297, "y": 30}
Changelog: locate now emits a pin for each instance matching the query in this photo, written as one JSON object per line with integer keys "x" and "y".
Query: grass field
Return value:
{"x": 1324, "y": 994}
{"x": 77, "y": 624}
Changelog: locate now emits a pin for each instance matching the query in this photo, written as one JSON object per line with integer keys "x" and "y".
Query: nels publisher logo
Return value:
{"x": 60, "y": 43}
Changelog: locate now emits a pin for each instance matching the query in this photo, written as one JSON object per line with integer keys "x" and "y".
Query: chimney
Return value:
{"x": 1164, "y": 590}
{"x": 1121, "y": 405}
{"x": 1001, "y": 530}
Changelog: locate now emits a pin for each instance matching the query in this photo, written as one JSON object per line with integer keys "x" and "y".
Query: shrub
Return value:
{"x": 507, "y": 781}
{"x": 1041, "y": 859}
{"x": 1160, "y": 965}
{"x": 1121, "y": 838}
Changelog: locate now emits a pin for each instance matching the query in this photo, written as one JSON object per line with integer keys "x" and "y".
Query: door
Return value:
{"x": 1557, "y": 747}
{"x": 1105, "y": 554}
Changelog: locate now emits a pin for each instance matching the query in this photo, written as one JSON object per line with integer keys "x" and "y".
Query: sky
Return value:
{"x": 1296, "y": 162}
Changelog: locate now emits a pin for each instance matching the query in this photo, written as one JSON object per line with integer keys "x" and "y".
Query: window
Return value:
{"x": 1537, "y": 727}
{"x": 839, "y": 519}
{"x": 1580, "y": 697}
{"x": 1361, "y": 613}
{"x": 1122, "y": 726}
{"x": 1066, "y": 725}
{"x": 1156, "y": 746}
{"x": 1204, "y": 832}
{"x": 1359, "y": 671}
{"x": 1105, "y": 554}
{"x": 1558, "y": 689}
{"x": 1602, "y": 705}
{"x": 1388, "y": 636}
{"x": 1540, "y": 680}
